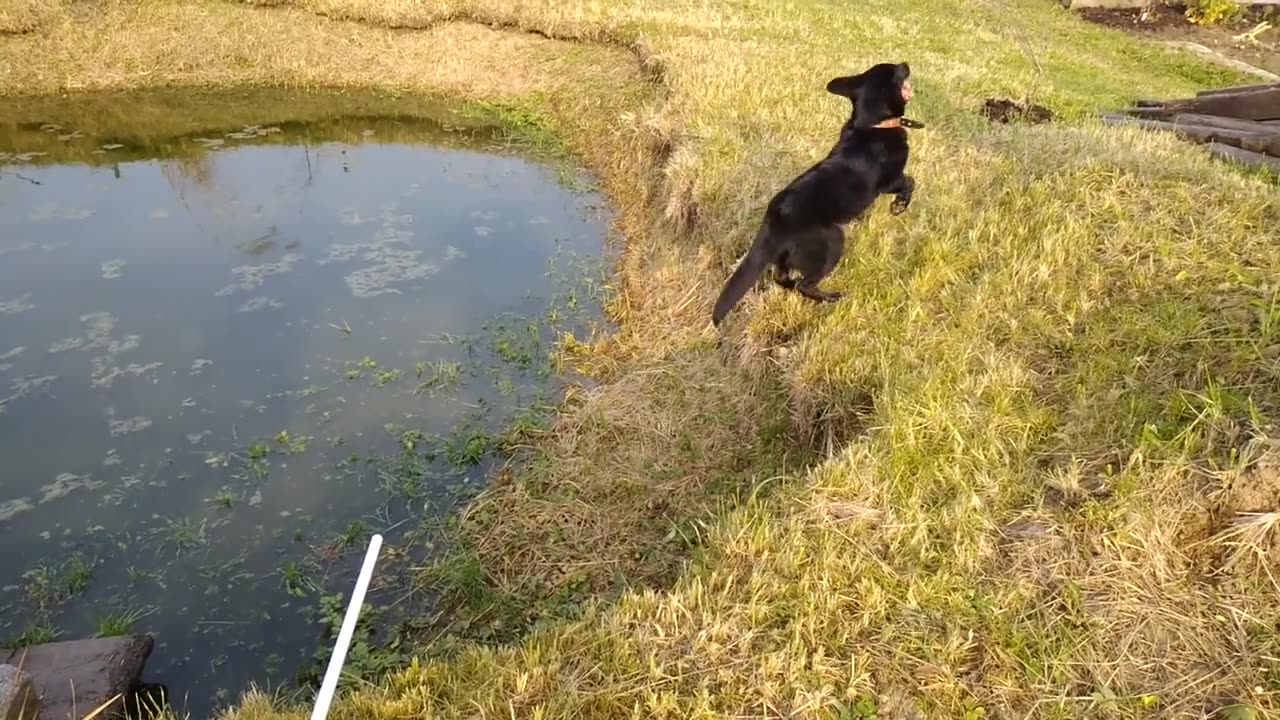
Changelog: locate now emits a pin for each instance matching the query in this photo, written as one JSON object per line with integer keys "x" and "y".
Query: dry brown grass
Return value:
{"x": 24, "y": 16}
{"x": 124, "y": 45}
{"x": 1044, "y": 406}
{"x": 609, "y": 496}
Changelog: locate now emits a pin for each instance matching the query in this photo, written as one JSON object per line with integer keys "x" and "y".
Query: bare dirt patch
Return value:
{"x": 1007, "y": 111}
{"x": 1258, "y": 489}
{"x": 1170, "y": 24}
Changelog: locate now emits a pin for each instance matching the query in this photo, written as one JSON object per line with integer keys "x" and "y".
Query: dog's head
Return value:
{"x": 879, "y": 94}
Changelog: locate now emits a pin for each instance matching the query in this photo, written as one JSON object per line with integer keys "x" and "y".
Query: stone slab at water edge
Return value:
{"x": 73, "y": 678}
{"x": 17, "y": 694}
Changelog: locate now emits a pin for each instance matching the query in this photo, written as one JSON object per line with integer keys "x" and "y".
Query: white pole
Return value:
{"x": 331, "y": 674}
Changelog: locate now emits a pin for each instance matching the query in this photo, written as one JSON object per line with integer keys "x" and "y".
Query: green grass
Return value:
{"x": 1024, "y": 469}
{"x": 184, "y": 535}
{"x": 294, "y": 580}
{"x": 225, "y": 498}
{"x": 119, "y": 622}
{"x": 77, "y": 574}
{"x": 37, "y": 633}
{"x": 47, "y": 586}
{"x": 355, "y": 532}
{"x": 441, "y": 375}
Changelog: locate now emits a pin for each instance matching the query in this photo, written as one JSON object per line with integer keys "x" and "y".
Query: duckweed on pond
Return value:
{"x": 226, "y": 359}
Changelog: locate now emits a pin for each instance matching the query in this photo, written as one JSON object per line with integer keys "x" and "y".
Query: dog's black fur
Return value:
{"x": 802, "y": 228}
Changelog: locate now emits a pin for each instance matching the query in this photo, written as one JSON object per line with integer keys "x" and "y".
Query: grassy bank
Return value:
{"x": 1023, "y": 470}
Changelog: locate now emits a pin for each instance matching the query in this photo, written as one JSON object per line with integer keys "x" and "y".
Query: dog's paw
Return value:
{"x": 899, "y": 206}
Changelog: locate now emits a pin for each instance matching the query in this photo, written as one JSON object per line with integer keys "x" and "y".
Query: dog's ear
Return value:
{"x": 845, "y": 86}
{"x": 901, "y": 72}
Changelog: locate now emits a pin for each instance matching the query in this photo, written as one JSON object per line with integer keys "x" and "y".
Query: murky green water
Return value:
{"x": 222, "y": 369}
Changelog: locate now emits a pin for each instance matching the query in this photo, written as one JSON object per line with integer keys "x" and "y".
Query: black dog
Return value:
{"x": 802, "y": 225}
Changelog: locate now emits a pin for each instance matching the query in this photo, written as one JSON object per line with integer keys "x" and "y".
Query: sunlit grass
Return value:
{"x": 22, "y": 16}
{"x": 1022, "y": 470}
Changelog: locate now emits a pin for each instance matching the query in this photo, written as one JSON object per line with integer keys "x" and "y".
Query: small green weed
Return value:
{"x": 445, "y": 375}
{"x": 293, "y": 444}
{"x": 41, "y": 587}
{"x": 517, "y": 347}
{"x": 118, "y": 622}
{"x": 863, "y": 707}
{"x": 34, "y": 634}
{"x": 527, "y": 422}
{"x": 225, "y": 498}
{"x": 506, "y": 386}
{"x": 355, "y": 530}
{"x": 137, "y": 575}
{"x": 77, "y": 574}
{"x": 293, "y": 580}
{"x": 47, "y": 587}
{"x": 184, "y": 535}
{"x": 368, "y": 659}
{"x": 1214, "y": 12}
{"x": 467, "y": 448}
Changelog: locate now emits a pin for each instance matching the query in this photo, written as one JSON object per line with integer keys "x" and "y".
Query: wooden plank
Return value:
{"x": 1268, "y": 143}
{"x": 1126, "y": 121}
{"x": 1255, "y": 105}
{"x": 1243, "y": 157}
{"x": 1236, "y": 89}
{"x": 1251, "y": 126}
{"x": 1150, "y": 111}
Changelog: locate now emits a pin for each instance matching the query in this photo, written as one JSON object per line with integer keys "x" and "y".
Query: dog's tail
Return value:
{"x": 743, "y": 277}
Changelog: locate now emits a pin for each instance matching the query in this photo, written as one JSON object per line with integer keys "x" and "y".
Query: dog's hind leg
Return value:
{"x": 901, "y": 189}
{"x": 811, "y": 291}
{"x": 782, "y": 271}
{"x": 829, "y": 242}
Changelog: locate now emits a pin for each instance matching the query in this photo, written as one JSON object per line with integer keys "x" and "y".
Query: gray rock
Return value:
{"x": 74, "y": 678}
{"x": 18, "y": 700}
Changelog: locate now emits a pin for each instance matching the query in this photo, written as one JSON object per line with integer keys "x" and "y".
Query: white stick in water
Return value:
{"x": 331, "y": 674}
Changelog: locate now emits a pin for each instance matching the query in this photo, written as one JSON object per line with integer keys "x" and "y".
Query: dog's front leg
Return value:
{"x": 901, "y": 189}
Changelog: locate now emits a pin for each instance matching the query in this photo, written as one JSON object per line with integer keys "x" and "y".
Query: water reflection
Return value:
{"x": 203, "y": 340}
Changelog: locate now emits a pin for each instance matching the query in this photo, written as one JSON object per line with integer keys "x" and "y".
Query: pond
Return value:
{"x": 229, "y": 354}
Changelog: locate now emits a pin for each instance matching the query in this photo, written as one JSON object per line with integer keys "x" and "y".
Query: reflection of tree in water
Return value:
{"x": 192, "y": 178}
{"x": 185, "y": 172}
